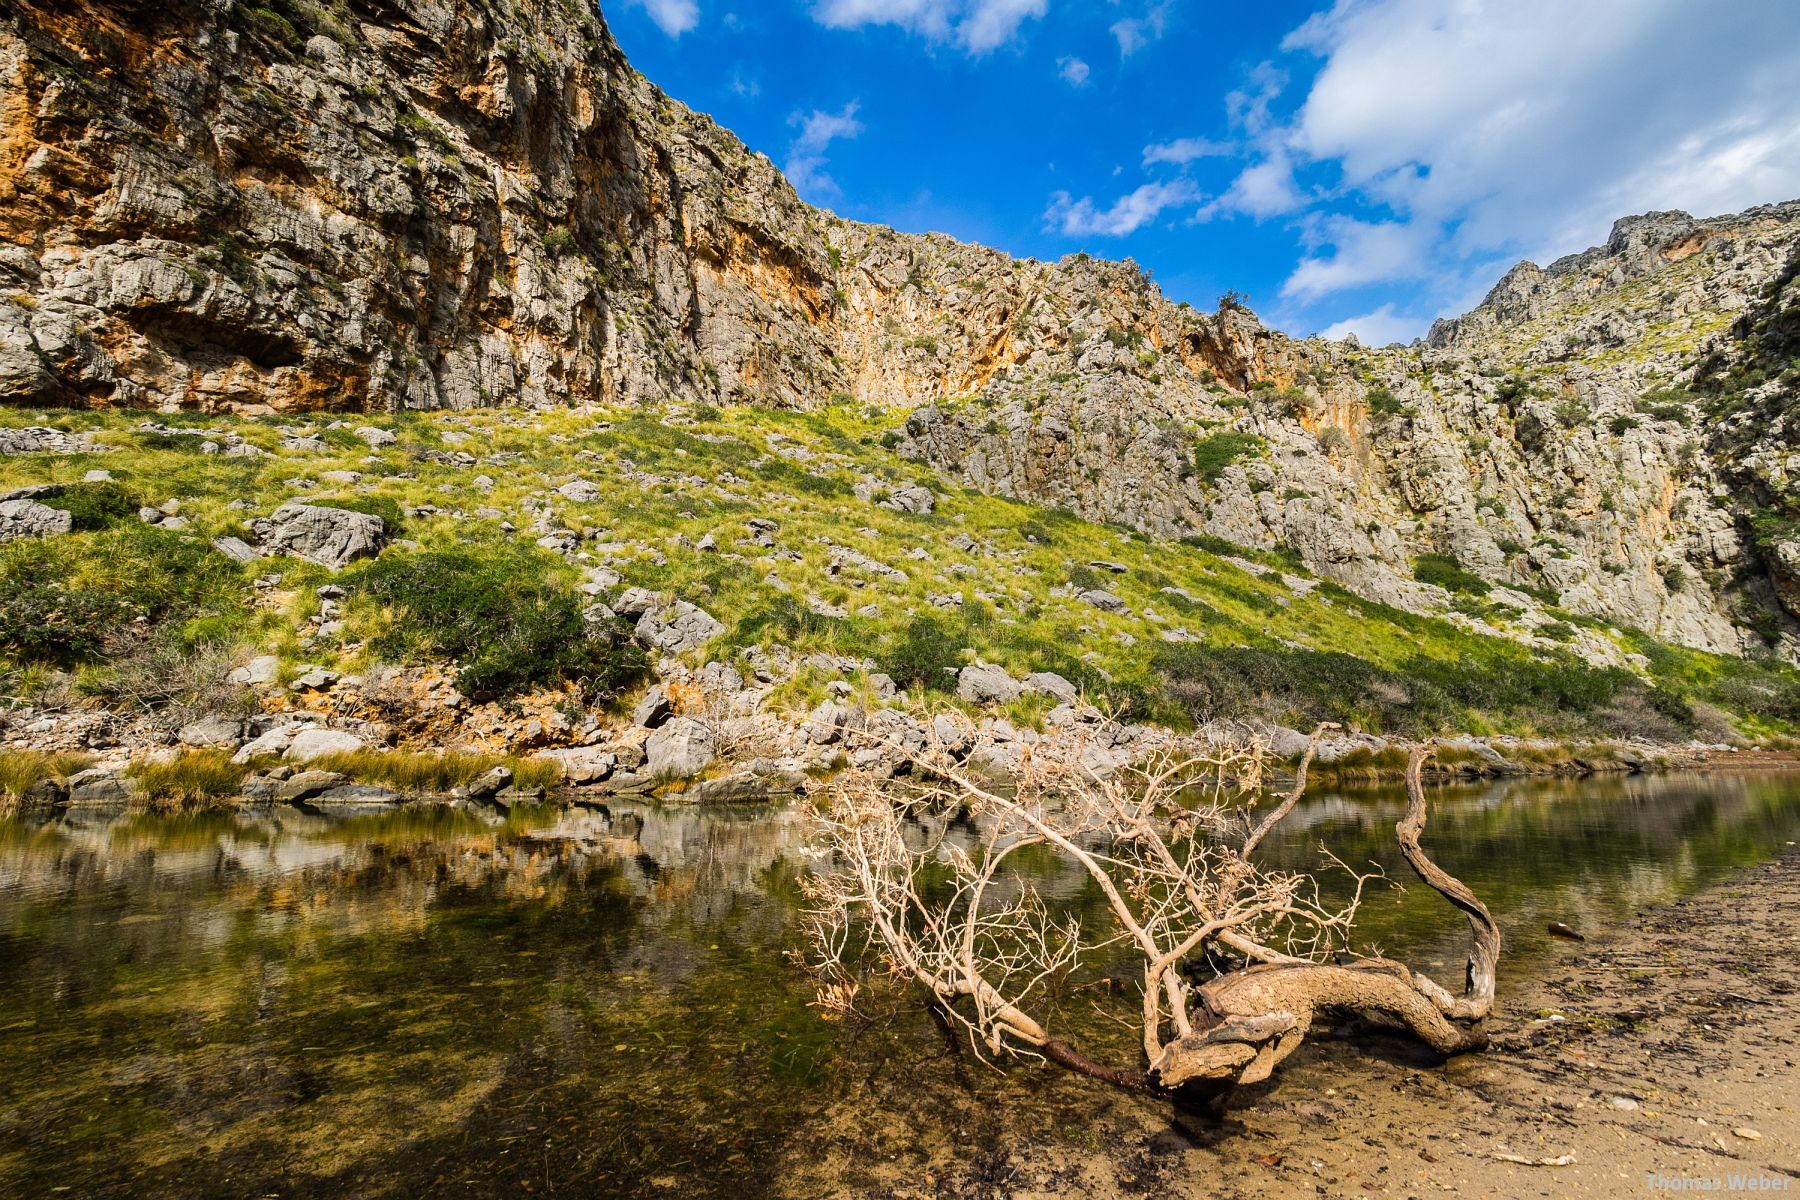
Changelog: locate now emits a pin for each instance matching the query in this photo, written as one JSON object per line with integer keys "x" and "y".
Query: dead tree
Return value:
{"x": 1172, "y": 845}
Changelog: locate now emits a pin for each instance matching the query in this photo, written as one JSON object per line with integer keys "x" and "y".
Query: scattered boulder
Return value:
{"x": 236, "y": 549}
{"x": 304, "y": 785}
{"x": 985, "y": 683}
{"x": 681, "y": 749}
{"x": 581, "y": 491}
{"x": 677, "y": 627}
{"x": 38, "y": 440}
{"x": 330, "y": 537}
{"x": 654, "y": 709}
{"x": 257, "y": 672}
{"x": 1104, "y": 601}
{"x": 28, "y": 518}
{"x": 583, "y": 766}
{"x": 99, "y": 786}
{"x": 910, "y": 498}
{"x": 1049, "y": 683}
{"x": 490, "y": 784}
{"x": 214, "y": 729}
{"x": 376, "y": 438}
{"x": 309, "y": 744}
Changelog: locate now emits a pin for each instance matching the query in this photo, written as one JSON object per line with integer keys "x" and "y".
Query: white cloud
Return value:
{"x": 1183, "y": 151}
{"x": 673, "y": 17}
{"x": 1134, "y": 33}
{"x": 978, "y": 26}
{"x": 805, "y": 165}
{"x": 1127, "y": 215}
{"x": 1487, "y": 128}
{"x": 1073, "y": 70}
{"x": 1378, "y": 328}
{"x": 1361, "y": 252}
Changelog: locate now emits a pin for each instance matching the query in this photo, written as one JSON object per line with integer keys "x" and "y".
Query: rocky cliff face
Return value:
{"x": 355, "y": 204}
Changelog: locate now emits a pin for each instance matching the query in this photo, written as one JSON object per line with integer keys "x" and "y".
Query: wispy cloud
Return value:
{"x": 806, "y": 157}
{"x": 978, "y": 26}
{"x": 673, "y": 17}
{"x": 1183, "y": 151}
{"x": 1126, "y": 215}
{"x": 1134, "y": 33}
{"x": 1460, "y": 133}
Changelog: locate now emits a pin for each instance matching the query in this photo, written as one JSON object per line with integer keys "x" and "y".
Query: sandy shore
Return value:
{"x": 1655, "y": 1059}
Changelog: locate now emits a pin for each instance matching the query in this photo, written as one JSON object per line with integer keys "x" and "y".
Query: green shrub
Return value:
{"x": 1447, "y": 573}
{"x": 1215, "y": 452}
{"x": 1383, "y": 403}
{"x": 97, "y": 505}
{"x": 503, "y": 616}
{"x": 785, "y": 620}
{"x": 925, "y": 656}
{"x": 70, "y": 600}
{"x": 561, "y": 242}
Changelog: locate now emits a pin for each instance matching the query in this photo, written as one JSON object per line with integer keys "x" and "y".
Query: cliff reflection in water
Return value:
{"x": 600, "y": 1002}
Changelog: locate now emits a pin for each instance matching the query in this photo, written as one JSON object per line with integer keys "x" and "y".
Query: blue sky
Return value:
{"x": 1364, "y": 166}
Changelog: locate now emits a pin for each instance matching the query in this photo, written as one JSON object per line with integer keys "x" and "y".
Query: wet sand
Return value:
{"x": 1654, "y": 1059}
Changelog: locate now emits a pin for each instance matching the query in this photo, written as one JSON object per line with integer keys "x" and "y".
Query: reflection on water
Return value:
{"x": 589, "y": 1002}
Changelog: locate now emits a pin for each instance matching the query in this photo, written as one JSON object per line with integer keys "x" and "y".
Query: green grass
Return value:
{"x": 433, "y": 773}
{"x": 22, "y": 770}
{"x": 472, "y": 594}
{"x": 196, "y": 779}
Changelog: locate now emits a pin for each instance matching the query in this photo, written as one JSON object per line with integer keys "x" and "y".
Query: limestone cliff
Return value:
{"x": 383, "y": 204}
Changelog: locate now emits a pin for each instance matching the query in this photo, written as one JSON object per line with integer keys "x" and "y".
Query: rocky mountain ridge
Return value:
{"x": 388, "y": 204}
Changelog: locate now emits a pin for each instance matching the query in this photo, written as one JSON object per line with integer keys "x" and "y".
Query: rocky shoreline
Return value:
{"x": 703, "y": 735}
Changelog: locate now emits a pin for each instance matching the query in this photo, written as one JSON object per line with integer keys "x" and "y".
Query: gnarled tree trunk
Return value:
{"x": 1176, "y": 861}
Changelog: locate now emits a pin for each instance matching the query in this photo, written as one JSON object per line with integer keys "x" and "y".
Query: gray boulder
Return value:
{"x": 99, "y": 785}
{"x": 490, "y": 784}
{"x": 214, "y": 729}
{"x": 681, "y": 749}
{"x": 985, "y": 683}
{"x": 304, "y": 785}
{"x": 1104, "y": 601}
{"x": 654, "y": 709}
{"x": 581, "y": 491}
{"x": 309, "y": 744}
{"x": 236, "y": 549}
{"x": 331, "y": 537}
{"x": 677, "y": 627}
{"x": 28, "y": 518}
{"x": 911, "y": 499}
{"x": 1049, "y": 683}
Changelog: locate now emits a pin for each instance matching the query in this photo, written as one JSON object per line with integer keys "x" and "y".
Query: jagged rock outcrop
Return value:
{"x": 367, "y": 204}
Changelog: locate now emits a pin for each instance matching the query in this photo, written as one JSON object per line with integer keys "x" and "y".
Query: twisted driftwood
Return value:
{"x": 1249, "y": 1020}
{"x": 1179, "y": 879}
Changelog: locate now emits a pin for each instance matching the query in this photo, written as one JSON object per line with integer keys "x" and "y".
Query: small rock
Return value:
{"x": 654, "y": 709}
{"x": 258, "y": 671}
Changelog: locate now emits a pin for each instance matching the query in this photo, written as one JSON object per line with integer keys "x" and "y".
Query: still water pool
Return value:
{"x": 599, "y": 1002}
